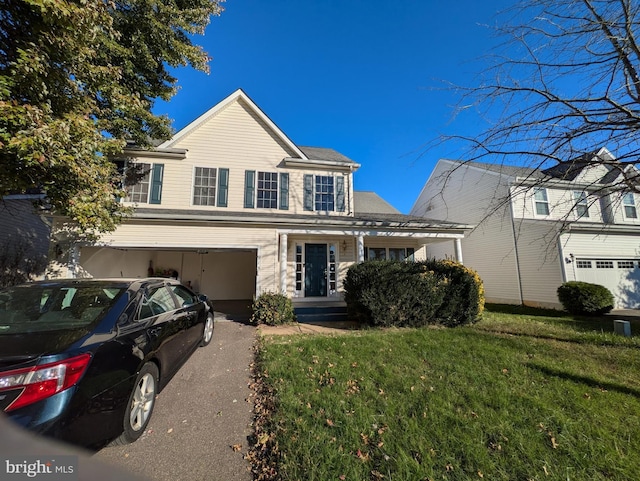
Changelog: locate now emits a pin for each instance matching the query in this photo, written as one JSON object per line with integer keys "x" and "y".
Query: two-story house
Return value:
{"x": 235, "y": 208}
{"x": 539, "y": 228}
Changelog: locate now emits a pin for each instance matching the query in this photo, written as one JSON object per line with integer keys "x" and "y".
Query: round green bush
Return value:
{"x": 584, "y": 298}
{"x": 413, "y": 294}
{"x": 272, "y": 309}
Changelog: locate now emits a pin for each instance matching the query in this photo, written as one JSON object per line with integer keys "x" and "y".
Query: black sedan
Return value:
{"x": 81, "y": 360}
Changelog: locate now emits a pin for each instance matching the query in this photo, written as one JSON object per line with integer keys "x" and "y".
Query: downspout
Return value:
{"x": 515, "y": 248}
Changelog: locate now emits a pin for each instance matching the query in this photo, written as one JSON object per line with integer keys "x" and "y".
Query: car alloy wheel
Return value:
{"x": 140, "y": 404}
{"x": 207, "y": 335}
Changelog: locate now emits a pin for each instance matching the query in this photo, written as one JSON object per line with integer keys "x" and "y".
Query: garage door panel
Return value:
{"x": 620, "y": 276}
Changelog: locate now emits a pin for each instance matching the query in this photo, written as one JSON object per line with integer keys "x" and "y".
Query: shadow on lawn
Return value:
{"x": 608, "y": 386}
{"x": 602, "y": 323}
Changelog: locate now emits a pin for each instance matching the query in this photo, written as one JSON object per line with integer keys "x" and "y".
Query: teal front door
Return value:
{"x": 315, "y": 278}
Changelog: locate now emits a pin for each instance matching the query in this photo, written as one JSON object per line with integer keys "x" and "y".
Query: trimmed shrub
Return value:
{"x": 464, "y": 292}
{"x": 272, "y": 309}
{"x": 413, "y": 294}
{"x": 584, "y": 298}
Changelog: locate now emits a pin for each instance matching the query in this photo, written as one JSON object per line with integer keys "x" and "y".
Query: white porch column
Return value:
{"x": 361, "y": 248}
{"x": 283, "y": 263}
{"x": 458, "y": 248}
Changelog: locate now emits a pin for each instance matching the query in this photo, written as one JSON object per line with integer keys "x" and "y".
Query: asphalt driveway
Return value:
{"x": 201, "y": 420}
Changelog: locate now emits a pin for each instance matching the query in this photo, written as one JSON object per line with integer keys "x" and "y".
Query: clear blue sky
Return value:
{"x": 364, "y": 77}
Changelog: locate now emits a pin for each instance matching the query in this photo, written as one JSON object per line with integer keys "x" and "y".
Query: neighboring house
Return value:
{"x": 539, "y": 228}
{"x": 24, "y": 238}
{"x": 237, "y": 209}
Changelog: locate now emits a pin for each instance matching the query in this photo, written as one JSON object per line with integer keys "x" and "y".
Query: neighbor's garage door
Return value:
{"x": 620, "y": 276}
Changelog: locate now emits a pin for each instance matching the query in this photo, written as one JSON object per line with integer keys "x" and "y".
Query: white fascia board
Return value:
{"x": 174, "y": 154}
{"x": 238, "y": 94}
{"x": 372, "y": 233}
{"x": 317, "y": 164}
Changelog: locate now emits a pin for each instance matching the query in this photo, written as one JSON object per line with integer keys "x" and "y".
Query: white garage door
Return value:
{"x": 620, "y": 276}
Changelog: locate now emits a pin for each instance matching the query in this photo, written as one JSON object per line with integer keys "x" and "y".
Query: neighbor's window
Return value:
{"x": 541, "y": 201}
{"x": 204, "y": 186}
{"x": 267, "y": 190}
{"x": 629, "y": 204}
{"x": 581, "y": 205}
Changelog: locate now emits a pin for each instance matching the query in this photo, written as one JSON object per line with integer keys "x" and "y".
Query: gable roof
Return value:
{"x": 365, "y": 202}
{"x": 237, "y": 96}
{"x": 321, "y": 153}
{"x": 568, "y": 171}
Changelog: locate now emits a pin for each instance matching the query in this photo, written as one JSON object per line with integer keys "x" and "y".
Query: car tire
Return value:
{"x": 207, "y": 335}
{"x": 140, "y": 405}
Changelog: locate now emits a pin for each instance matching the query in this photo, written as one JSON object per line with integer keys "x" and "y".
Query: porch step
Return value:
{"x": 313, "y": 314}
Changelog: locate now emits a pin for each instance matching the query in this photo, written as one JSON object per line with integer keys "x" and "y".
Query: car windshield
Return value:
{"x": 32, "y": 308}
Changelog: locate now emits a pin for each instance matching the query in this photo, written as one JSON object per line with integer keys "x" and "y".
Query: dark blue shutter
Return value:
{"x": 340, "y": 193}
{"x": 308, "y": 192}
{"x": 249, "y": 188}
{"x": 284, "y": 191}
{"x": 223, "y": 187}
{"x": 156, "y": 183}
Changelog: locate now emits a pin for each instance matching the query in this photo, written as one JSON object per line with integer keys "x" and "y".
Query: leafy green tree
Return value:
{"x": 78, "y": 80}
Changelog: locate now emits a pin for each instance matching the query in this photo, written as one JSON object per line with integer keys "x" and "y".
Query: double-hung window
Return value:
{"x": 204, "y": 186}
{"x": 210, "y": 186}
{"x": 629, "y": 206}
{"x": 142, "y": 182}
{"x": 324, "y": 193}
{"x": 541, "y": 201}
{"x": 581, "y": 204}
{"x": 267, "y": 195}
{"x": 266, "y": 190}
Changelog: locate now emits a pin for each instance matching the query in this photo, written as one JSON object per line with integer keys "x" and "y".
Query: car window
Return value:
{"x": 48, "y": 307}
{"x": 184, "y": 295}
{"x": 156, "y": 301}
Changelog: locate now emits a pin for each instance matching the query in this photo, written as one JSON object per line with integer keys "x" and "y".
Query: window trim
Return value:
{"x": 543, "y": 202}
{"x": 631, "y": 205}
{"x": 214, "y": 197}
{"x": 580, "y": 200}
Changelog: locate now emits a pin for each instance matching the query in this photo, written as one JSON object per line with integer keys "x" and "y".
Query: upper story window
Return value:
{"x": 266, "y": 190}
{"x": 204, "y": 186}
{"x": 541, "y": 201}
{"x": 210, "y": 186}
{"x": 140, "y": 192}
{"x": 324, "y": 193}
{"x": 581, "y": 204}
{"x": 629, "y": 205}
{"x": 142, "y": 182}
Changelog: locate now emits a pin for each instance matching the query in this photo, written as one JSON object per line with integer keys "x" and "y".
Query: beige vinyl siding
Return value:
{"x": 540, "y": 267}
{"x": 468, "y": 195}
{"x": 561, "y": 205}
{"x": 617, "y": 209}
{"x": 591, "y": 175}
{"x": 238, "y": 140}
{"x": 203, "y": 237}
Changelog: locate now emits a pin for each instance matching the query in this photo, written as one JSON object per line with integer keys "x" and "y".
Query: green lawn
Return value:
{"x": 522, "y": 395}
